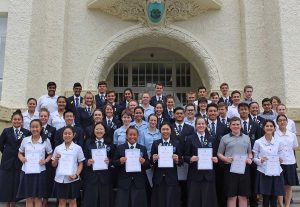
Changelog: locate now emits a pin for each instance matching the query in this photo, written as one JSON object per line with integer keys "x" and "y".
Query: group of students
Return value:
{"x": 252, "y": 153}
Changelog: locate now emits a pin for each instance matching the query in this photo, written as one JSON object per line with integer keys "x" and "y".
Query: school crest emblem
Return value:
{"x": 155, "y": 11}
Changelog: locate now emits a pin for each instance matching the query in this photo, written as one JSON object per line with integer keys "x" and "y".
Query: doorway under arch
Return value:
{"x": 142, "y": 69}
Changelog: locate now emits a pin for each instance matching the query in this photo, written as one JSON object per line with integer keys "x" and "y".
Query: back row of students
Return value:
{"x": 208, "y": 185}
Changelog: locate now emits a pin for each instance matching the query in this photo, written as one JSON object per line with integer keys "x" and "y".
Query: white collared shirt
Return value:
{"x": 210, "y": 124}
{"x": 291, "y": 126}
{"x": 161, "y": 98}
{"x": 56, "y": 120}
{"x": 129, "y": 145}
{"x": 199, "y": 136}
{"x": 263, "y": 148}
{"x": 168, "y": 141}
{"x": 289, "y": 143}
{"x": 77, "y": 153}
{"x": 247, "y": 123}
{"x": 41, "y": 147}
{"x": 48, "y": 102}
{"x": 232, "y": 111}
{"x": 111, "y": 120}
{"x": 27, "y": 119}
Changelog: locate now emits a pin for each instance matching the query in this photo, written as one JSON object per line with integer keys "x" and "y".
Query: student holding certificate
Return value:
{"x": 235, "y": 151}
{"x": 131, "y": 160}
{"x": 32, "y": 153}
{"x": 98, "y": 178}
{"x": 269, "y": 179}
{"x": 289, "y": 143}
{"x": 68, "y": 158}
{"x": 166, "y": 190}
{"x": 10, "y": 166}
{"x": 201, "y": 176}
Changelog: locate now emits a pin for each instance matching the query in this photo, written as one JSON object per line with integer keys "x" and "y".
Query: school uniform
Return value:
{"x": 271, "y": 115}
{"x": 166, "y": 189}
{"x": 147, "y": 111}
{"x": 201, "y": 183}
{"x": 10, "y": 166}
{"x": 120, "y": 135}
{"x": 84, "y": 117}
{"x": 232, "y": 111}
{"x": 291, "y": 126}
{"x": 169, "y": 115}
{"x": 155, "y": 99}
{"x": 259, "y": 120}
{"x": 49, "y": 132}
{"x": 253, "y": 130}
{"x": 131, "y": 185}
{"x": 34, "y": 185}
{"x": 266, "y": 184}
{"x": 236, "y": 184}
{"x": 27, "y": 119}
{"x": 123, "y": 105}
{"x": 98, "y": 184}
{"x": 63, "y": 187}
{"x": 100, "y": 100}
{"x": 117, "y": 111}
{"x": 47, "y": 102}
{"x": 73, "y": 103}
{"x": 143, "y": 126}
{"x": 217, "y": 131}
{"x": 181, "y": 135}
{"x": 78, "y": 138}
{"x": 111, "y": 126}
{"x": 191, "y": 123}
{"x": 289, "y": 142}
{"x": 227, "y": 100}
{"x": 161, "y": 119}
{"x": 56, "y": 120}
{"x": 147, "y": 138}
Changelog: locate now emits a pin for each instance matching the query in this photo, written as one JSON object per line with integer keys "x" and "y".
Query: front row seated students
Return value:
{"x": 131, "y": 185}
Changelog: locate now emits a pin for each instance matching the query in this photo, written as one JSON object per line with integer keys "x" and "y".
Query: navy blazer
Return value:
{"x": 102, "y": 176}
{"x": 186, "y": 131}
{"x": 117, "y": 111}
{"x": 153, "y": 101}
{"x": 125, "y": 178}
{"x": 49, "y": 132}
{"x": 259, "y": 120}
{"x": 110, "y": 130}
{"x": 170, "y": 174}
{"x": 122, "y": 105}
{"x": 83, "y": 119}
{"x": 71, "y": 104}
{"x": 223, "y": 100}
{"x": 9, "y": 147}
{"x": 99, "y": 103}
{"x": 191, "y": 149}
{"x": 78, "y": 138}
{"x": 253, "y": 131}
{"x": 161, "y": 120}
{"x": 221, "y": 130}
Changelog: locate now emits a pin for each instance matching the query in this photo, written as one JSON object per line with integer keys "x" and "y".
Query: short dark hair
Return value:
{"x": 77, "y": 84}
{"x": 178, "y": 108}
{"x": 248, "y": 86}
{"x": 235, "y": 118}
{"x": 265, "y": 100}
{"x": 224, "y": 84}
{"x": 222, "y": 104}
{"x": 234, "y": 92}
{"x": 68, "y": 111}
{"x": 51, "y": 84}
{"x": 243, "y": 105}
{"x": 102, "y": 83}
{"x": 159, "y": 84}
{"x": 202, "y": 87}
{"x": 212, "y": 105}
{"x": 32, "y": 99}
{"x": 253, "y": 102}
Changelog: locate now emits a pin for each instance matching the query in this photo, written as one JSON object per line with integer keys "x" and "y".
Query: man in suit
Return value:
{"x": 217, "y": 130}
{"x": 74, "y": 102}
{"x": 100, "y": 97}
{"x": 181, "y": 131}
{"x": 110, "y": 99}
{"x": 225, "y": 97}
{"x": 159, "y": 88}
{"x": 222, "y": 111}
{"x": 253, "y": 130}
{"x": 254, "y": 109}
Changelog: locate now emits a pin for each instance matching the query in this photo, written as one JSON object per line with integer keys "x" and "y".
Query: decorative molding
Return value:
{"x": 136, "y": 10}
{"x": 137, "y": 37}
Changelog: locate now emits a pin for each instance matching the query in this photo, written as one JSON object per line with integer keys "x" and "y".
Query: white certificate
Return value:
{"x": 204, "y": 159}
{"x": 32, "y": 164}
{"x": 238, "y": 164}
{"x": 65, "y": 165}
{"x": 99, "y": 156}
{"x": 165, "y": 154}
{"x": 133, "y": 160}
{"x": 182, "y": 171}
{"x": 273, "y": 166}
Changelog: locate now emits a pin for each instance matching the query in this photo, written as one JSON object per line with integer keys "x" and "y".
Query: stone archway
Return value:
{"x": 137, "y": 37}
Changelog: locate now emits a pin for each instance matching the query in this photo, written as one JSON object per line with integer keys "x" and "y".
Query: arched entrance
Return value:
{"x": 142, "y": 69}
{"x": 170, "y": 38}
